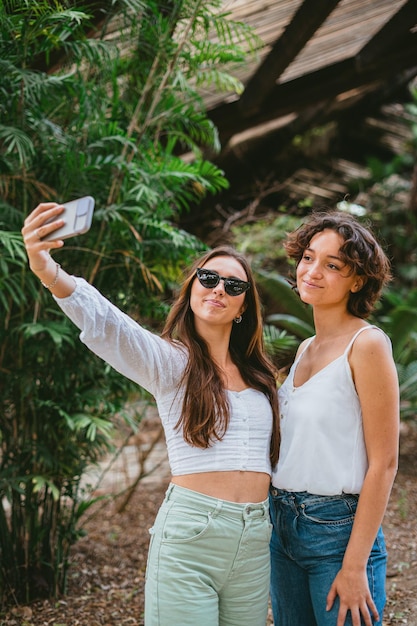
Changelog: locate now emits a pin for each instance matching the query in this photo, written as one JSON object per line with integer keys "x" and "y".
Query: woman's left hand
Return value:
{"x": 353, "y": 591}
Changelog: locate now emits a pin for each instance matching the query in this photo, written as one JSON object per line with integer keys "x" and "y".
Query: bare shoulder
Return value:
{"x": 375, "y": 377}
{"x": 372, "y": 353}
{"x": 371, "y": 341}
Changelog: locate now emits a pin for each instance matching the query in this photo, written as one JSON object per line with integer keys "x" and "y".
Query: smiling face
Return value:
{"x": 215, "y": 306}
{"x": 322, "y": 277}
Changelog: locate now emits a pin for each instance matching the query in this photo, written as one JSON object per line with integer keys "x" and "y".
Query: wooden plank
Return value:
{"x": 322, "y": 85}
{"x": 347, "y": 30}
{"x": 395, "y": 29}
{"x": 284, "y": 50}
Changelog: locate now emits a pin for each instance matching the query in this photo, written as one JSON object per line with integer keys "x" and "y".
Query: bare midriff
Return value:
{"x": 234, "y": 486}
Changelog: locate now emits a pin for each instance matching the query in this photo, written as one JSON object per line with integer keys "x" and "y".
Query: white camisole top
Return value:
{"x": 322, "y": 443}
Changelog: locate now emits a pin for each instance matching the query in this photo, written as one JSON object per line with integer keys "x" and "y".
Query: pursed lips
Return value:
{"x": 216, "y": 303}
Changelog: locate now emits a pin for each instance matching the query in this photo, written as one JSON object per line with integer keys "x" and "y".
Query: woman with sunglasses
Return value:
{"x": 215, "y": 390}
{"x": 339, "y": 410}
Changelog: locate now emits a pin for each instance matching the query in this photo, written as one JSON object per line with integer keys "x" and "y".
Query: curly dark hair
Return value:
{"x": 360, "y": 251}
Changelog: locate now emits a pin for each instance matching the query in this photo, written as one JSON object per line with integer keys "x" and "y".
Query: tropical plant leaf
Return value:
{"x": 279, "y": 289}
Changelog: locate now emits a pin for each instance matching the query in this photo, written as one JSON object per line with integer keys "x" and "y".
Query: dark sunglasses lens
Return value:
{"x": 232, "y": 286}
{"x": 235, "y": 287}
{"x": 209, "y": 280}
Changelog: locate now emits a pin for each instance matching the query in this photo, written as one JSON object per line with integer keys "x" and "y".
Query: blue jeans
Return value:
{"x": 309, "y": 538}
{"x": 208, "y": 562}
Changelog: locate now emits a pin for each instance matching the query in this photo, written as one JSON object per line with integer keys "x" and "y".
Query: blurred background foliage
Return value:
{"x": 113, "y": 125}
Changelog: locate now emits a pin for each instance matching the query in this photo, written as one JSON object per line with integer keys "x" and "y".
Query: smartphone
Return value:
{"x": 78, "y": 215}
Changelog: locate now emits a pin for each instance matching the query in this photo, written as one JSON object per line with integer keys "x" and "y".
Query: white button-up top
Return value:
{"x": 158, "y": 365}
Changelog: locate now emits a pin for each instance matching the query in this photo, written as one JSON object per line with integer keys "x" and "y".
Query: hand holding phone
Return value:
{"x": 78, "y": 215}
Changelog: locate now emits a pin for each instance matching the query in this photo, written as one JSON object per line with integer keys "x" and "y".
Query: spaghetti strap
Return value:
{"x": 358, "y": 333}
{"x": 308, "y": 342}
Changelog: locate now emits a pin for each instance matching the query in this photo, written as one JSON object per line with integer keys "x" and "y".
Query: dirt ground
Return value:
{"x": 107, "y": 573}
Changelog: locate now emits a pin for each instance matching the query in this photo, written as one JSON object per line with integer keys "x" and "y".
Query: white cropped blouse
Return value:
{"x": 157, "y": 366}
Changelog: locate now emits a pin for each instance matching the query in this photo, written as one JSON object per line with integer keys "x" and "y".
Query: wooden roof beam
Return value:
{"x": 392, "y": 33}
{"x": 300, "y": 29}
{"x": 308, "y": 90}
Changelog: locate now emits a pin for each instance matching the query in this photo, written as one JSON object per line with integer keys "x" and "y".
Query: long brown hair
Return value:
{"x": 205, "y": 412}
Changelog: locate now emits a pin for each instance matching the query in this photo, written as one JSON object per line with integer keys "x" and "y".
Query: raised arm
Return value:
{"x": 111, "y": 334}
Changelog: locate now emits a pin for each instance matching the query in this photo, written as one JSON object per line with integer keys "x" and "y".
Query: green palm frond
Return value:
{"x": 293, "y": 324}
{"x": 12, "y": 245}
{"x": 278, "y": 343}
{"x": 407, "y": 375}
{"x": 278, "y": 288}
{"x": 16, "y": 142}
{"x": 214, "y": 23}
{"x": 223, "y": 81}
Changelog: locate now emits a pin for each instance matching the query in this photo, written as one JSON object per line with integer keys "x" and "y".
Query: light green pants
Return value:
{"x": 208, "y": 562}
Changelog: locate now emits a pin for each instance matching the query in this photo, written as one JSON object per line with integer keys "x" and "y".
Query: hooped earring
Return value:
{"x": 237, "y": 320}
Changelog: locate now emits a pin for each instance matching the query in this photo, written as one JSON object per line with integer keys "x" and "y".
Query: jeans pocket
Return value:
{"x": 337, "y": 511}
{"x": 184, "y": 524}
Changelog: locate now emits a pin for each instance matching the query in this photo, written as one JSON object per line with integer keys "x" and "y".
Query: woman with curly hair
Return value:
{"x": 339, "y": 418}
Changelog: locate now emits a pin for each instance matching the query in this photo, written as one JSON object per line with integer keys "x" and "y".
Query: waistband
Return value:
{"x": 309, "y": 498}
{"x": 215, "y": 506}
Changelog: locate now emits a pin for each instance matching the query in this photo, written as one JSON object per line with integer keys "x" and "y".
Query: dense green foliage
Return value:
{"x": 107, "y": 117}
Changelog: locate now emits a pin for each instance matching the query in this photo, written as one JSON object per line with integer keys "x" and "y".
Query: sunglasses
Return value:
{"x": 232, "y": 286}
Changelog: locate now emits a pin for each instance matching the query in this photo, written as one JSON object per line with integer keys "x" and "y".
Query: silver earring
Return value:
{"x": 237, "y": 320}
